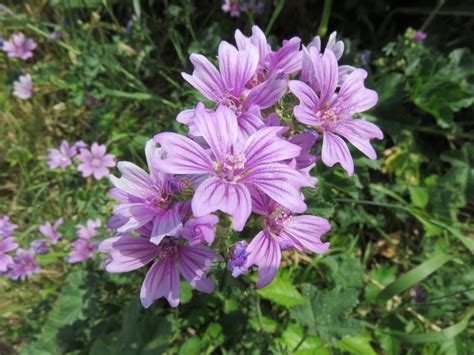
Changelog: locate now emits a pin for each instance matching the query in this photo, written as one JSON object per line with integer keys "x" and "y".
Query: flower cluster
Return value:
{"x": 244, "y": 162}
{"x": 235, "y": 7}
{"x": 93, "y": 162}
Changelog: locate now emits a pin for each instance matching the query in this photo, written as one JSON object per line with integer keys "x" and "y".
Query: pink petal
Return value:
{"x": 354, "y": 96}
{"x": 266, "y": 94}
{"x": 165, "y": 224}
{"x": 326, "y": 71}
{"x": 281, "y": 183}
{"x": 128, "y": 253}
{"x": 265, "y": 253}
{"x": 219, "y": 129}
{"x": 162, "y": 280}
{"x": 265, "y": 146}
{"x": 335, "y": 151}
{"x": 184, "y": 156}
{"x": 236, "y": 66}
{"x": 206, "y": 79}
{"x": 305, "y": 94}
{"x": 305, "y": 233}
{"x": 218, "y": 194}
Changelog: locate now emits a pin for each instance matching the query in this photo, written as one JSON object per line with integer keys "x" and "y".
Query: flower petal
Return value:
{"x": 184, "y": 156}
{"x": 229, "y": 197}
{"x": 335, "y": 151}
{"x": 305, "y": 233}
{"x": 266, "y": 254}
{"x": 165, "y": 224}
{"x": 162, "y": 280}
{"x": 205, "y": 78}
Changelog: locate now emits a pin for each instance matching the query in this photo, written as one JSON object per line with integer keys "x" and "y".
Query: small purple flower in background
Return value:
{"x": 82, "y": 250}
{"x": 61, "y": 158}
{"x": 232, "y": 6}
{"x": 90, "y": 100}
{"x": 51, "y": 231}
{"x": 54, "y": 35}
{"x": 23, "y": 87}
{"x": 365, "y": 57}
{"x": 2, "y": 41}
{"x": 419, "y": 36}
{"x": 6, "y": 228}
{"x": 39, "y": 246}
{"x": 6, "y": 245}
{"x": 24, "y": 265}
{"x": 19, "y": 47}
{"x": 6, "y": 11}
{"x": 130, "y": 24}
{"x": 282, "y": 231}
{"x": 162, "y": 279}
{"x": 89, "y": 230}
{"x": 237, "y": 263}
{"x": 95, "y": 162}
{"x": 419, "y": 294}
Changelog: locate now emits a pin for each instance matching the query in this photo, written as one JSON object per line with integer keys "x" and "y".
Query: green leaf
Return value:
{"x": 192, "y": 346}
{"x": 281, "y": 291}
{"x": 413, "y": 277}
{"x": 383, "y": 275}
{"x": 345, "y": 271}
{"x": 419, "y": 196}
{"x": 326, "y": 313}
{"x": 359, "y": 345}
{"x": 293, "y": 337}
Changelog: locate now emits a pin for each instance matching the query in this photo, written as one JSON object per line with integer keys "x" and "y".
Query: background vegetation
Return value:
{"x": 403, "y": 221}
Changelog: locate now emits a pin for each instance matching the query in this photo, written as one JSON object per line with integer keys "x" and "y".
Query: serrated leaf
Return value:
{"x": 281, "y": 291}
{"x": 359, "y": 345}
{"x": 326, "y": 313}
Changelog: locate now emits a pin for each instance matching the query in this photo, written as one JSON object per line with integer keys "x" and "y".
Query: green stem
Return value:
{"x": 430, "y": 18}
{"x": 274, "y": 17}
{"x": 323, "y": 26}
{"x": 303, "y": 338}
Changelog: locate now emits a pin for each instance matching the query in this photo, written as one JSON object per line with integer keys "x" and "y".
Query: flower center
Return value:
{"x": 162, "y": 197}
{"x": 278, "y": 219}
{"x": 96, "y": 162}
{"x": 168, "y": 248}
{"x": 232, "y": 166}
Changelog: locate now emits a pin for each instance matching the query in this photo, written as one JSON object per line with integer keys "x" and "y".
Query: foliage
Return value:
{"x": 392, "y": 217}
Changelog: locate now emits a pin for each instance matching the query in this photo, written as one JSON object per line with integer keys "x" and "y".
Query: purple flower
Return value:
{"x": 172, "y": 258}
{"x": 232, "y": 6}
{"x": 19, "y": 47}
{"x": 24, "y": 265}
{"x": 23, "y": 87}
{"x": 82, "y": 250}
{"x": 95, "y": 162}
{"x": 330, "y": 111}
{"x": 51, "y": 231}
{"x": 89, "y": 230}
{"x": 237, "y": 263}
{"x": 6, "y": 228}
{"x": 6, "y": 245}
{"x": 419, "y": 36}
{"x": 308, "y": 73}
{"x": 419, "y": 294}
{"x": 228, "y": 87}
{"x": 365, "y": 57}
{"x": 282, "y": 231}
{"x": 146, "y": 197}
{"x": 284, "y": 62}
{"x": 200, "y": 230}
{"x": 54, "y": 35}
{"x": 61, "y": 158}
{"x": 39, "y": 246}
{"x": 233, "y": 167}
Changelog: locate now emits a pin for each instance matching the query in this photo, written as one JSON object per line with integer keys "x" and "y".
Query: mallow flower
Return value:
{"x": 89, "y": 230}
{"x": 230, "y": 168}
{"x": 228, "y": 87}
{"x": 51, "y": 230}
{"x": 83, "y": 249}
{"x": 24, "y": 265}
{"x": 6, "y": 245}
{"x": 23, "y": 87}
{"x": 282, "y": 230}
{"x": 6, "y": 228}
{"x": 146, "y": 197}
{"x": 237, "y": 263}
{"x": 95, "y": 161}
{"x": 19, "y": 46}
{"x": 331, "y": 111}
{"x": 170, "y": 257}
{"x": 61, "y": 157}
{"x": 285, "y": 61}
{"x": 39, "y": 246}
